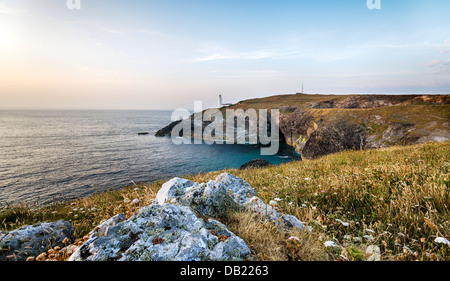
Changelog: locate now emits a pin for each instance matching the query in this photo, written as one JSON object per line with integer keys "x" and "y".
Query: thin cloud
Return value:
{"x": 96, "y": 25}
{"x": 440, "y": 66}
{"x": 446, "y": 48}
{"x": 225, "y": 54}
{"x": 5, "y": 9}
{"x": 112, "y": 31}
{"x": 435, "y": 63}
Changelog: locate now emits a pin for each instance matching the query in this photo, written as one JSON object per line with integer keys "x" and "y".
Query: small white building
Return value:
{"x": 220, "y": 103}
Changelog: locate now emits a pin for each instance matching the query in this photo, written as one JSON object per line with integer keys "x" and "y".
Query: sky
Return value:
{"x": 154, "y": 54}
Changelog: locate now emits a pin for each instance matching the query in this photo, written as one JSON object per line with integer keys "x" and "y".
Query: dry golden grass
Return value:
{"x": 270, "y": 243}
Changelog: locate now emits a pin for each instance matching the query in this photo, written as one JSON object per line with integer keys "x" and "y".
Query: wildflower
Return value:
{"x": 442, "y": 240}
{"x": 407, "y": 250}
{"x": 273, "y": 203}
{"x": 343, "y": 223}
{"x": 330, "y": 244}
{"x": 294, "y": 238}
{"x": 307, "y": 179}
{"x": 368, "y": 237}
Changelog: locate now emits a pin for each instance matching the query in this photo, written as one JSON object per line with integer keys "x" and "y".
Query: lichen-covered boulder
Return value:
{"x": 216, "y": 198}
{"x": 170, "y": 232}
{"x": 32, "y": 240}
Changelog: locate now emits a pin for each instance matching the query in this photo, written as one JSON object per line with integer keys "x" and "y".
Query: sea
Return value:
{"x": 53, "y": 155}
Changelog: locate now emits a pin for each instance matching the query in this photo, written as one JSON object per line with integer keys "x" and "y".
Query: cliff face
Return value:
{"x": 314, "y": 137}
{"x": 318, "y": 125}
{"x": 362, "y": 122}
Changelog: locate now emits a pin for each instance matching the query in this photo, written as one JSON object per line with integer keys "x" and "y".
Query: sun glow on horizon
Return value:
{"x": 155, "y": 54}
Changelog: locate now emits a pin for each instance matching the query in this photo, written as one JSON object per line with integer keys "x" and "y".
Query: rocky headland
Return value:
{"x": 317, "y": 125}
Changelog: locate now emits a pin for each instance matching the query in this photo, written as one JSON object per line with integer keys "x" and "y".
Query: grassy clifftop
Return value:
{"x": 395, "y": 198}
{"x": 318, "y": 125}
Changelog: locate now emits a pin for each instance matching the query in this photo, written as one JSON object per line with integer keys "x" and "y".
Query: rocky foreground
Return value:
{"x": 177, "y": 226}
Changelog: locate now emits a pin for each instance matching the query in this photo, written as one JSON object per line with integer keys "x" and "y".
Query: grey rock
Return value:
{"x": 237, "y": 187}
{"x": 170, "y": 230}
{"x": 162, "y": 233}
{"x": 173, "y": 189}
{"x": 216, "y": 198}
{"x": 32, "y": 240}
{"x": 257, "y": 163}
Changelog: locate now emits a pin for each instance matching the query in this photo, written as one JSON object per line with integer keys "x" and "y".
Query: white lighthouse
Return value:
{"x": 219, "y": 103}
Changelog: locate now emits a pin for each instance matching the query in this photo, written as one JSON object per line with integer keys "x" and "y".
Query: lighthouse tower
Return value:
{"x": 219, "y": 103}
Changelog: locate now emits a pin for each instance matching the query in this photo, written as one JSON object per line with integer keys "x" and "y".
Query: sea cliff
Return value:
{"x": 317, "y": 125}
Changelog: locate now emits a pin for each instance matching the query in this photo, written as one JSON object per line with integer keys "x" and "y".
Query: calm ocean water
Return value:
{"x": 48, "y": 154}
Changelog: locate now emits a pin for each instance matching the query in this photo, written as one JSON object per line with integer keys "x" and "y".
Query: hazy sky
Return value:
{"x": 164, "y": 54}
